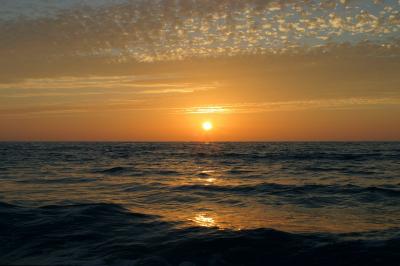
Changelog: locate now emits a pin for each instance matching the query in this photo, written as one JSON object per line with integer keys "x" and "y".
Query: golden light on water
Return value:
{"x": 210, "y": 180}
{"x": 203, "y": 220}
{"x": 207, "y": 126}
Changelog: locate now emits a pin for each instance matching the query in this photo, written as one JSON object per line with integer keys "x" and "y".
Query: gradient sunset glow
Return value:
{"x": 156, "y": 70}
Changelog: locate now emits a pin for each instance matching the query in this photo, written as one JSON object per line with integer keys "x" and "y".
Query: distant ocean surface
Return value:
{"x": 325, "y": 203}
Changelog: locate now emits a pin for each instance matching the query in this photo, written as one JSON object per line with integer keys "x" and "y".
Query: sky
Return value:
{"x": 155, "y": 70}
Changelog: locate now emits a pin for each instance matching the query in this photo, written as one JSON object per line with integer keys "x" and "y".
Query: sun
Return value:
{"x": 207, "y": 126}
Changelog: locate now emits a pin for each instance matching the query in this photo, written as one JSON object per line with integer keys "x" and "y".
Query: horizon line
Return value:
{"x": 189, "y": 141}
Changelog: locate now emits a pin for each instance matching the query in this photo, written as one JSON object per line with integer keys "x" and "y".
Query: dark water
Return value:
{"x": 200, "y": 204}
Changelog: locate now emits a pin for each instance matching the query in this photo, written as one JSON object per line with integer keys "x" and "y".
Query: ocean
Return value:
{"x": 277, "y": 203}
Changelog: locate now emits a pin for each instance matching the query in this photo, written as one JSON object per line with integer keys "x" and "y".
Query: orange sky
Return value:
{"x": 154, "y": 71}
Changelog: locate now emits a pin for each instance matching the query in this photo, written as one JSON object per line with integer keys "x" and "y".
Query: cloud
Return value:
{"x": 320, "y": 104}
{"x": 104, "y": 82}
{"x": 189, "y": 89}
{"x": 77, "y": 95}
{"x": 160, "y": 47}
{"x": 209, "y": 110}
{"x": 96, "y": 85}
{"x": 125, "y": 105}
{"x": 149, "y": 31}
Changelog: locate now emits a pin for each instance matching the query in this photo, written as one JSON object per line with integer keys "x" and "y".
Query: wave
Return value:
{"x": 329, "y": 187}
{"x": 130, "y": 171}
{"x": 296, "y": 189}
{"x": 65, "y": 180}
{"x": 108, "y": 234}
{"x": 344, "y": 170}
{"x": 113, "y": 170}
{"x": 306, "y": 196}
{"x": 296, "y": 156}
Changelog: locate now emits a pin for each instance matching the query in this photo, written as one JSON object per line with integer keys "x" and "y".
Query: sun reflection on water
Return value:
{"x": 210, "y": 180}
{"x": 204, "y": 220}
{"x": 207, "y": 171}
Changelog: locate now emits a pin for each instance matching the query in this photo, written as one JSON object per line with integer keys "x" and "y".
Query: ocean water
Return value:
{"x": 187, "y": 204}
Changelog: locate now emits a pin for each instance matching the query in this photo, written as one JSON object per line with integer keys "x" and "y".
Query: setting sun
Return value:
{"x": 207, "y": 126}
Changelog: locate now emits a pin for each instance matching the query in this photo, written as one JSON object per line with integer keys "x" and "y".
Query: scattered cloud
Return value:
{"x": 150, "y": 30}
